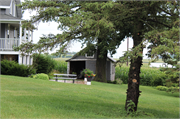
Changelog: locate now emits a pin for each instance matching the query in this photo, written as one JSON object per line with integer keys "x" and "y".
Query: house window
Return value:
{"x": 3, "y": 11}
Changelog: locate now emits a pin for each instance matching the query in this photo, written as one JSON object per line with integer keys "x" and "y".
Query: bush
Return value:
{"x": 51, "y": 74}
{"x": 168, "y": 89}
{"x": 41, "y": 76}
{"x": 117, "y": 81}
{"x": 43, "y": 63}
{"x": 13, "y": 68}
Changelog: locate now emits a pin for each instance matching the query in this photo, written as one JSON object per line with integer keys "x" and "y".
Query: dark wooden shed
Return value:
{"x": 78, "y": 62}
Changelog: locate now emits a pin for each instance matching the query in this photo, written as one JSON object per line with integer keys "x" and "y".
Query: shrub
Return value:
{"x": 43, "y": 63}
{"x": 173, "y": 89}
{"x": 158, "y": 87}
{"x": 168, "y": 89}
{"x": 13, "y": 68}
{"x": 119, "y": 81}
{"x": 41, "y": 76}
{"x": 51, "y": 74}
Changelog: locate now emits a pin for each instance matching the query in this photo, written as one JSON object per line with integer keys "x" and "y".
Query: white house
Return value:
{"x": 11, "y": 32}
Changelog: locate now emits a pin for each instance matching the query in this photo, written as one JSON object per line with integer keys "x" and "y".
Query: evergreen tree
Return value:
{"x": 142, "y": 17}
{"x": 106, "y": 24}
{"x": 81, "y": 21}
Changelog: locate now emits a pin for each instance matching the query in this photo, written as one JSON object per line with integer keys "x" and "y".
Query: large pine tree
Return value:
{"x": 142, "y": 17}
{"x": 81, "y": 21}
{"x": 106, "y": 24}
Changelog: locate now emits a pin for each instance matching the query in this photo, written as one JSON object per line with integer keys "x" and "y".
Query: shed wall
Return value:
{"x": 108, "y": 70}
{"x": 91, "y": 65}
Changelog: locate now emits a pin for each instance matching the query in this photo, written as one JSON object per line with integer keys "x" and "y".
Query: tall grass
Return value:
{"x": 61, "y": 66}
{"x": 149, "y": 76}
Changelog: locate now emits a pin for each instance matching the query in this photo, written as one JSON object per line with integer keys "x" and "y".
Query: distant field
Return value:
{"x": 64, "y": 59}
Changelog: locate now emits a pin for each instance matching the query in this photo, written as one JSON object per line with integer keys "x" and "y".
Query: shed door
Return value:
{"x": 77, "y": 67}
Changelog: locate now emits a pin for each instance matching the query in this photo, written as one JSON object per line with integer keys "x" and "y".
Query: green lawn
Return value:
{"x": 34, "y": 98}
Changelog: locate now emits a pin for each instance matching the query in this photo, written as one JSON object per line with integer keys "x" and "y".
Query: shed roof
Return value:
{"x": 74, "y": 56}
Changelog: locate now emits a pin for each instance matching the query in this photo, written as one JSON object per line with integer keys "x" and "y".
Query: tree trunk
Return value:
{"x": 133, "y": 83}
{"x": 134, "y": 73}
{"x": 101, "y": 64}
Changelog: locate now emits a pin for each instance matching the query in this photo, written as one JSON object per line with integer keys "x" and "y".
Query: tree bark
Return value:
{"x": 134, "y": 72}
{"x": 101, "y": 64}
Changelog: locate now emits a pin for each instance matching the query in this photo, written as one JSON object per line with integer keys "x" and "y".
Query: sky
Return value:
{"x": 51, "y": 27}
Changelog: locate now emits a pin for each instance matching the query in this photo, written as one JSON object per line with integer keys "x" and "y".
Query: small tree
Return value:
{"x": 43, "y": 63}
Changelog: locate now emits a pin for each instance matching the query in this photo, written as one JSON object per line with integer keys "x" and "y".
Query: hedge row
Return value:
{"x": 149, "y": 76}
{"x": 13, "y": 68}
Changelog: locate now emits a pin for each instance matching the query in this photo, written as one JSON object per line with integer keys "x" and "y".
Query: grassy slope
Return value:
{"x": 32, "y": 98}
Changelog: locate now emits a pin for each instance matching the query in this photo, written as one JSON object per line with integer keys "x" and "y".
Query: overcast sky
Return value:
{"x": 51, "y": 27}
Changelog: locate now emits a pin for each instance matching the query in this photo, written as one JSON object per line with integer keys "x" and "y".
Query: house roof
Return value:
{"x": 5, "y": 2}
{"x": 8, "y": 17}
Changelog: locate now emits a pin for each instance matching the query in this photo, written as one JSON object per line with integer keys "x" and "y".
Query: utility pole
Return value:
{"x": 127, "y": 47}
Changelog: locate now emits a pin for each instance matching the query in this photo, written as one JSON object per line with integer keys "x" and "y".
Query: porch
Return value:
{"x": 7, "y": 44}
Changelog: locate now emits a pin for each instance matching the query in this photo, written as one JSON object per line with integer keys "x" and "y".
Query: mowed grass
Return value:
{"x": 34, "y": 98}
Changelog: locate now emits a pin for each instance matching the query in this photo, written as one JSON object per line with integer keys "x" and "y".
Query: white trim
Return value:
{"x": 10, "y": 11}
{"x": 9, "y": 52}
{"x": 89, "y": 56}
{"x": 14, "y": 10}
{"x": 31, "y": 35}
{"x": 19, "y": 59}
{"x": 20, "y": 33}
{"x": 81, "y": 60}
{"x": 28, "y": 35}
{"x": 6, "y": 7}
{"x": 10, "y": 20}
{"x": 24, "y": 34}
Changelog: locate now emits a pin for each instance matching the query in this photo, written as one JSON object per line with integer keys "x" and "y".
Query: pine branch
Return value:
{"x": 159, "y": 23}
